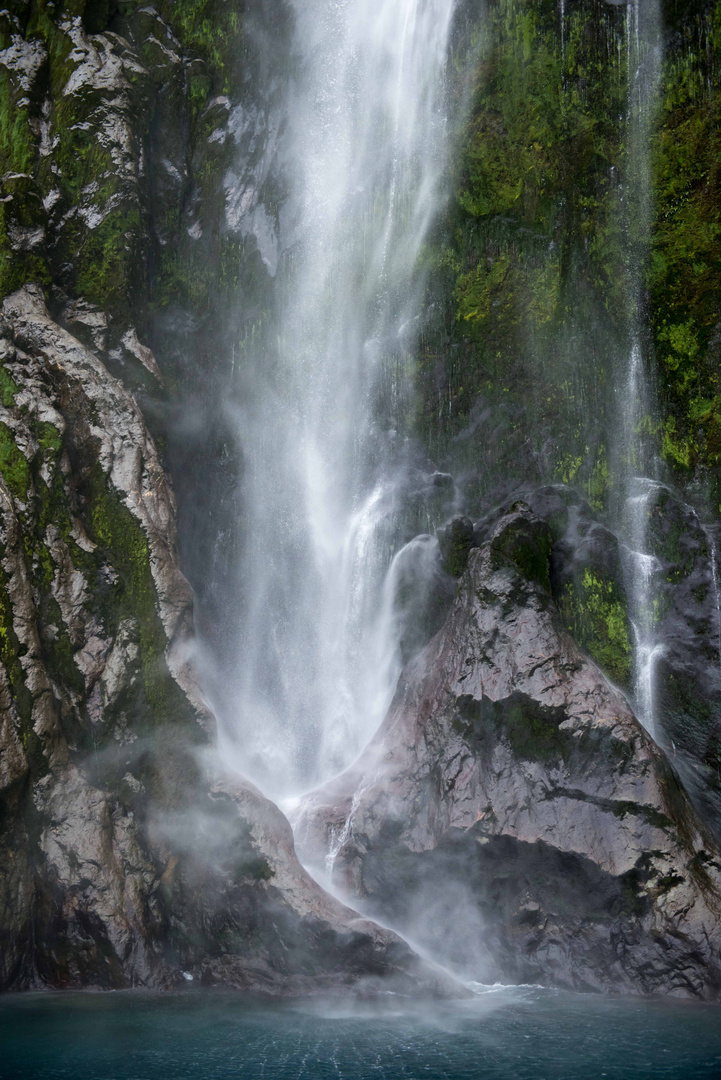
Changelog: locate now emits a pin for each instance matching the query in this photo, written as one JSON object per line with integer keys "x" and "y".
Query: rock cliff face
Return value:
{"x": 511, "y": 814}
{"x": 141, "y": 192}
{"x": 126, "y": 860}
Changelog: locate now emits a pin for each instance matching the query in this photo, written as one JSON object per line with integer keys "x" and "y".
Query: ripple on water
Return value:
{"x": 518, "y": 1033}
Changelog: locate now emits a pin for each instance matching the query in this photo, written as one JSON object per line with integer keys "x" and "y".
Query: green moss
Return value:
{"x": 684, "y": 277}
{"x": 212, "y": 30}
{"x": 530, "y": 264}
{"x": 13, "y": 464}
{"x": 122, "y": 543}
{"x": 17, "y": 143}
{"x": 595, "y": 613}
{"x": 597, "y": 485}
{"x": 8, "y": 388}
{"x": 107, "y": 258}
{"x": 49, "y": 438}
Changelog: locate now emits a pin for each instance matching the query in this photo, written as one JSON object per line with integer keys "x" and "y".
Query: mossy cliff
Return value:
{"x": 684, "y": 275}
{"x": 142, "y": 188}
{"x": 534, "y": 266}
{"x": 532, "y": 259}
{"x": 125, "y": 858}
{"x": 105, "y": 112}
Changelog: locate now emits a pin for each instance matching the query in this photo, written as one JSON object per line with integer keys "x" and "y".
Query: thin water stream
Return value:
{"x": 637, "y": 460}
{"x": 713, "y": 559}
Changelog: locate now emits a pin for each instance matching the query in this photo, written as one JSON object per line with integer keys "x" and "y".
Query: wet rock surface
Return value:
{"x": 511, "y": 814}
{"x": 141, "y": 189}
{"x": 126, "y": 859}
{"x": 687, "y": 662}
{"x": 590, "y": 569}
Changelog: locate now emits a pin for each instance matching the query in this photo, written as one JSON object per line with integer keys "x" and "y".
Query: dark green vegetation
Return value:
{"x": 532, "y": 267}
{"x": 118, "y": 203}
{"x": 595, "y": 612}
{"x": 684, "y": 277}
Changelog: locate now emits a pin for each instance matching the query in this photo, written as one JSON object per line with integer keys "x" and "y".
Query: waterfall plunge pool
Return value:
{"x": 508, "y": 1033}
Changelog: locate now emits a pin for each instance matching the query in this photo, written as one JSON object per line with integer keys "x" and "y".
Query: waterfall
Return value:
{"x": 637, "y": 461}
{"x": 323, "y": 395}
{"x": 715, "y": 583}
{"x": 717, "y": 596}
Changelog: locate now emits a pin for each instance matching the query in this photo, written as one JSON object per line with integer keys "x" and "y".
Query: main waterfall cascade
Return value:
{"x": 322, "y": 394}
{"x": 323, "y": 398}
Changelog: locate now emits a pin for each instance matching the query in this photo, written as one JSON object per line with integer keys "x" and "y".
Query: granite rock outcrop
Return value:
{"x": 511, "y": 815}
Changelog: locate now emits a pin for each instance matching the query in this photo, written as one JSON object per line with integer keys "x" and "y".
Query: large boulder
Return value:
{"x": 511, "y": 814}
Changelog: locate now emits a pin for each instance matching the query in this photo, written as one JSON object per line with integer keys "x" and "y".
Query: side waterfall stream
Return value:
{"x": 638, "y": 464}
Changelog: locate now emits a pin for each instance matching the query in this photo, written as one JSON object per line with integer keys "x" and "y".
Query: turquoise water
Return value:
{"x": 521, "y": 1033}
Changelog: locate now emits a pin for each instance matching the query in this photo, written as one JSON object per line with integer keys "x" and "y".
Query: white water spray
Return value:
{"x": 363, "y": 148}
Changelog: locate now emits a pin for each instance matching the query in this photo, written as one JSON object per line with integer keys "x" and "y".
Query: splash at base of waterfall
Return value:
{"x": 640, "y": 573}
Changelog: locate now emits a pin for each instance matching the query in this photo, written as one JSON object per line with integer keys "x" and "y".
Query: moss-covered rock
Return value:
{"x": 684, "y": 274}
{"x": 530, "y": 263}
{"x": 594, "y": 611}
{"x": 535, "y": 267}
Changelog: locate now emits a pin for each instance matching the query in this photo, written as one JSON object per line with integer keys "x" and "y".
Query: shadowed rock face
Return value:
{"x": 511, "y": 815}
{"x": 124, "y": 858}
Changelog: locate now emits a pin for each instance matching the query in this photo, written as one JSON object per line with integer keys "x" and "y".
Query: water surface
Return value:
{"x": 506, "y": 1034}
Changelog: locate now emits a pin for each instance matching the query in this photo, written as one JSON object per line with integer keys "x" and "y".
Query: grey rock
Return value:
{"x": 513, "y": 816}
{"x": 688, "y": 627}
{"x": 125, "y": 858}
